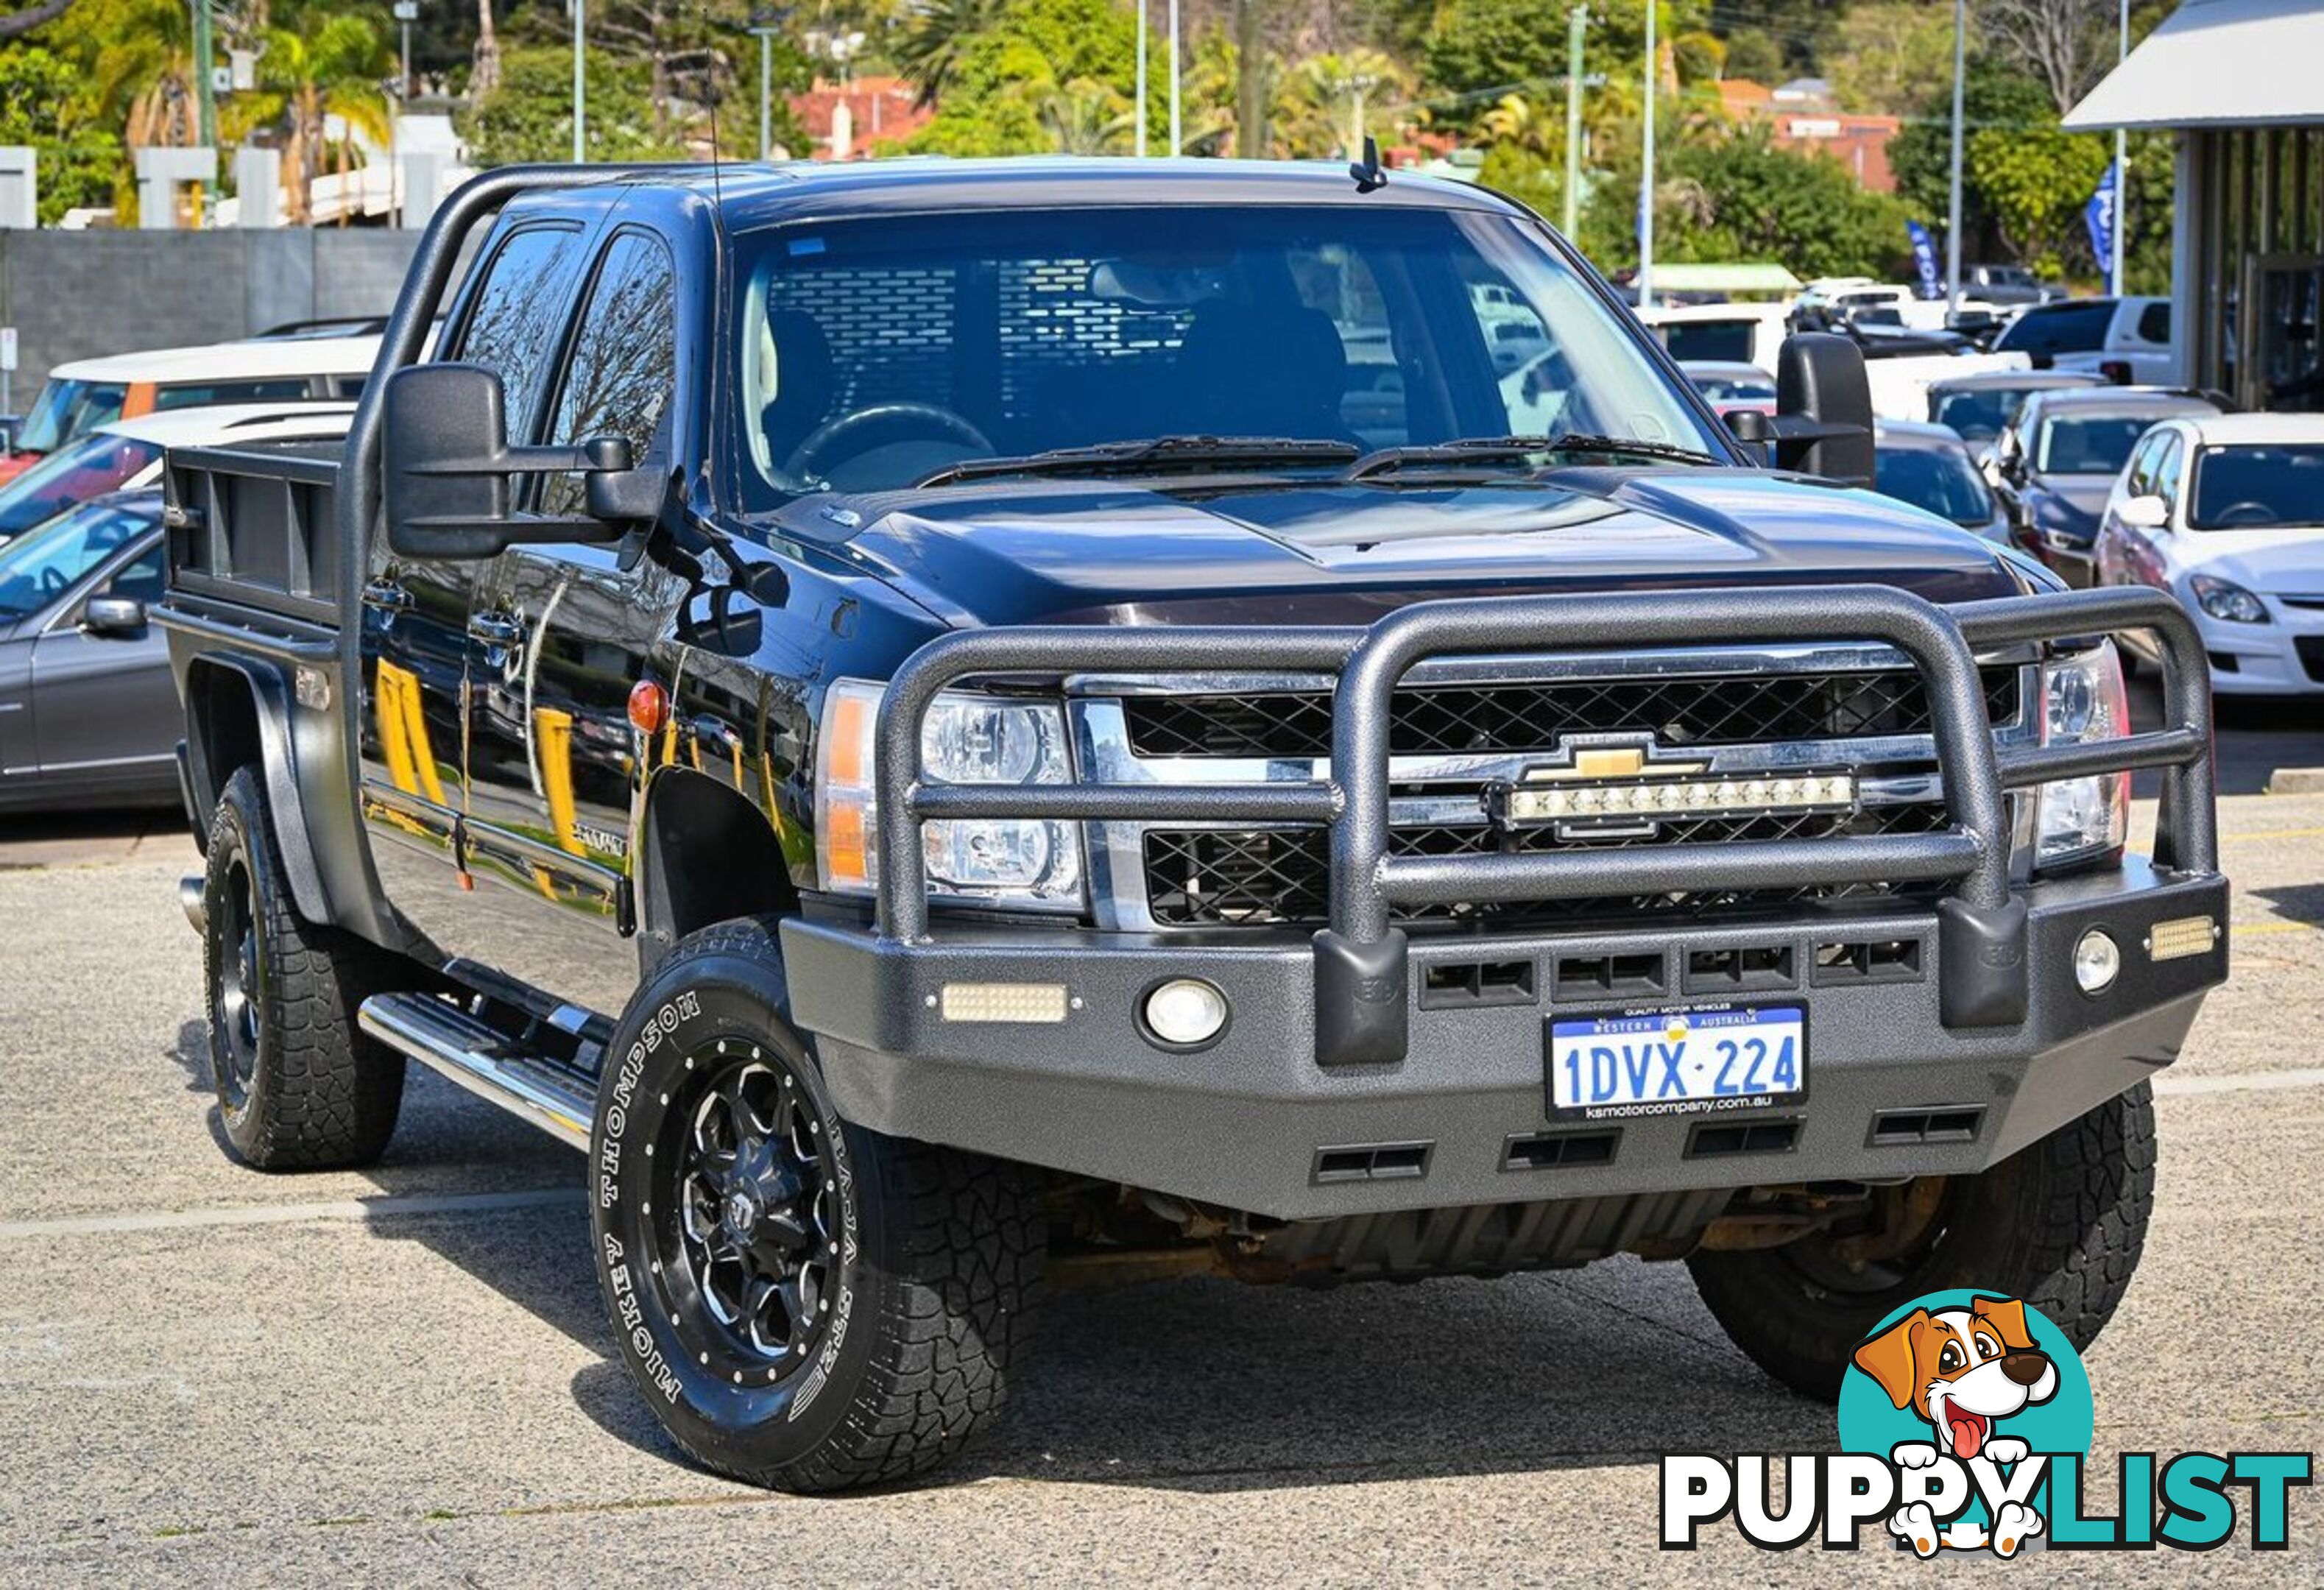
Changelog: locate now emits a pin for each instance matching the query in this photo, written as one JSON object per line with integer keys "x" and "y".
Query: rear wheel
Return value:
{"x": 2059, "y": 1225}
{"x": 299, "y": 1087}
{"x": 804, "y": 1304}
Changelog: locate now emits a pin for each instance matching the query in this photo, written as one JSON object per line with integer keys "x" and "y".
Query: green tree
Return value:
{"x": 1891, "y": 56}
{"x": 1753, "y": 57}
{"x": 1007, "y": 73}
{"x": 1480, "y": 50}
{"x": 930, "y": 51}
{"x": 1739, "y": 198}
{"x": 44, "y": 102}
{"x": 1085, "y": 117}
{"x": 530, "y": 116}
{"x": 2033, "y": 184}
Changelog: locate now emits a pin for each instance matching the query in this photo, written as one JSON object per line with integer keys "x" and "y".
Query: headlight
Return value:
{"x": 2082, "y": 700}
{"x": 965, "y": 739}
{"x": 2223, "y": 598}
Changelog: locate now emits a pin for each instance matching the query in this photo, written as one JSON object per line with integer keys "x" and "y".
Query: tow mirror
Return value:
{"x": 449, "y": 471}
{"x": 2147, "y": 512}
{"x": 113, "y": 618}
{"x": 1823, "y": 408}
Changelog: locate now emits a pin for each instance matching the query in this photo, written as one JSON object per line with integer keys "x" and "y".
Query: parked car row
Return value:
{"x": 88, "y": 714}
{"x": 2120, "y": 485}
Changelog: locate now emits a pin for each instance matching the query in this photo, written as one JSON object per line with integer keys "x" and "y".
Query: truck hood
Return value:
{"x": 1332, "y": 552}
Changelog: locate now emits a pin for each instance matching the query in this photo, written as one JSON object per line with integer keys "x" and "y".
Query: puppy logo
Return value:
{"x": 1960, "y": 1371}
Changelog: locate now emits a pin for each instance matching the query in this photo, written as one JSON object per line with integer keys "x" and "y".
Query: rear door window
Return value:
{"x": 2154, "y": 323}
{"x": 625, "y": 365}
{"x": 1719, "y": 342}
{"x": 515, "y": 320}
{"x": 2063, "y": 328}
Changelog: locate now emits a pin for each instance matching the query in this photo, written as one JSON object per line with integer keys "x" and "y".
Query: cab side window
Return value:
{"x": 623, "y": 367}
{"x": 516, "y": 316}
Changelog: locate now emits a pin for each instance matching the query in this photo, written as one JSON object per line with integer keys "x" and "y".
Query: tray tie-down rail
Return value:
{"x": 1362, "y": 988}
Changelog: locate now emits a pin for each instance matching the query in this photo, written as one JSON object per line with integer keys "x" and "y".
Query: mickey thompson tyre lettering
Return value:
{"x": 803, "y": 1303}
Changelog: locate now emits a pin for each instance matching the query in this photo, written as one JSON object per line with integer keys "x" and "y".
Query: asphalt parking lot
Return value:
{"x": 402, "y": 1376}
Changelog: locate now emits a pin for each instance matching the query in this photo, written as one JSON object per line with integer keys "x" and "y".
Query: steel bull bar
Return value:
{"x": 1361, "y": 987}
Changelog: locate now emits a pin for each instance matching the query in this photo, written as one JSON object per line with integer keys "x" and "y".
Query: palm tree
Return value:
{"x": 485, "y": 74}
{"x": 929, "y": 51}
{"x": 143, "y": 74}
{"x": 1086, "y": 117}
{"x": 329, "y": 66}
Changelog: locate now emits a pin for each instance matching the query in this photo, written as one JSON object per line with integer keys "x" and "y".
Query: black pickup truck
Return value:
{"x": 952, "y": 724}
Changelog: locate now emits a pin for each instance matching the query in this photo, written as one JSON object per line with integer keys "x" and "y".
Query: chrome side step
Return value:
{"x": 191, "y": 901}
{"x": 445, "y": 1038}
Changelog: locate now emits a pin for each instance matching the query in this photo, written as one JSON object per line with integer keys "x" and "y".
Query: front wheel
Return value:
{"x": 2058, "y": 1224}
{"x": 804, "y": 1304}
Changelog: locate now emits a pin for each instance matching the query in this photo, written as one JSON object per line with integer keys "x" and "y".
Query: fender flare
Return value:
{"x": 268, "y": 688}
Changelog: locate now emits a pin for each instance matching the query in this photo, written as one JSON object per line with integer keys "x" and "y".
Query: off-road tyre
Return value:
{"x": 298, "y": 1086}
{"x": 910, "y": 1302}
{"x": 2059, "y": 1225}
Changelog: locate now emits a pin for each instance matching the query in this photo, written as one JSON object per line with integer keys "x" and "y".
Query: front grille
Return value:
{"x": 1534, "y": 717}
{"x": 1263, "y": 877}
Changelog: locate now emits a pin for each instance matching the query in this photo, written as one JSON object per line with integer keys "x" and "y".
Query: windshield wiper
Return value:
{"x": 1506, "y": 450}
{"x": 1153, "y": 455}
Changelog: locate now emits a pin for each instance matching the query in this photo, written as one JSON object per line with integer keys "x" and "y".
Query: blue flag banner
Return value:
{"x": 1924, "y": 260}
{"x": 2098, "y": 215}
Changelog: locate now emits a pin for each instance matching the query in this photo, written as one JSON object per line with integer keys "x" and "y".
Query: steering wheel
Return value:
{"x": 911, "y": 418}
{"x": 2244, "y": 512}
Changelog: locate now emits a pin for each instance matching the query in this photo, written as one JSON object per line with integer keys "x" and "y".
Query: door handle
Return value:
{"x": 495, "y": 629}
{"x": 387, "y": 596}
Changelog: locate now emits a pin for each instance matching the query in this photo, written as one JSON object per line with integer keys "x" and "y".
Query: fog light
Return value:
{"x": 1185, "y": 1012}
{"x": 2097, "y": 961}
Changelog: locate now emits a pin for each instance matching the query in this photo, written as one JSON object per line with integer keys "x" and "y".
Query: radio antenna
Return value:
{"x": 717, "y": 193}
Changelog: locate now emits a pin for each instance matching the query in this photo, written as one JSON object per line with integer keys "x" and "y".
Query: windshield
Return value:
{"x": 1979, "y": 412}
{"x": 2248, "y": 487}
{"x": 2099, "y": 445}
{"x": 1940, "y": 480}
{"x": 38, "y": 567}
{"x": 877, "y": 352}
{"x": 1736, "y": 386}
{"x": 64, "y": 409}
{"x": 89, "y": 468}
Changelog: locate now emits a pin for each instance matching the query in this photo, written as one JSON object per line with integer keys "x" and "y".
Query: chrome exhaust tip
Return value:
{"x": 191, "y": 901}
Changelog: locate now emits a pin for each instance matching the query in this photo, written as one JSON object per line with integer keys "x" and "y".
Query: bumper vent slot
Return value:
{"x": 1373, "y": 1161}
{"x": 1871, "y": 960}
{"x": 1546, "y": 1150}
{"x": 1740, "y": 970}
{"x": 1607, "y": 976}
{"x": 1458, "y": 985}
{"x": 1896, "y": 1129}
{"x": 1715, "y": 1139}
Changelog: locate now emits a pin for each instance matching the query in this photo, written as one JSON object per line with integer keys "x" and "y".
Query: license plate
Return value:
{"x": 1674, "y": 1062}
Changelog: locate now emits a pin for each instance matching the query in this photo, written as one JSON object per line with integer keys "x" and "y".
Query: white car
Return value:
{"x": 125, "y": 454}
{"x": 2227, "y": 512}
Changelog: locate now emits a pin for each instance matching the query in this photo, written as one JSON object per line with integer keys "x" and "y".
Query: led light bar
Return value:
{"x": 1563, "y": 802}
{"x": 1004, "y": 1002}
{"x": 2179, "y": 938}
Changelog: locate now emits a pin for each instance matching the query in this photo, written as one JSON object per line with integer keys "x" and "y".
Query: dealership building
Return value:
{"x": 2242, "y": 83}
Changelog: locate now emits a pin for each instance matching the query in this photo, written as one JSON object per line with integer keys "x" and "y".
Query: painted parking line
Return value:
{"x": 2258, "y": 930}
{"x": 354, "y": 1209}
